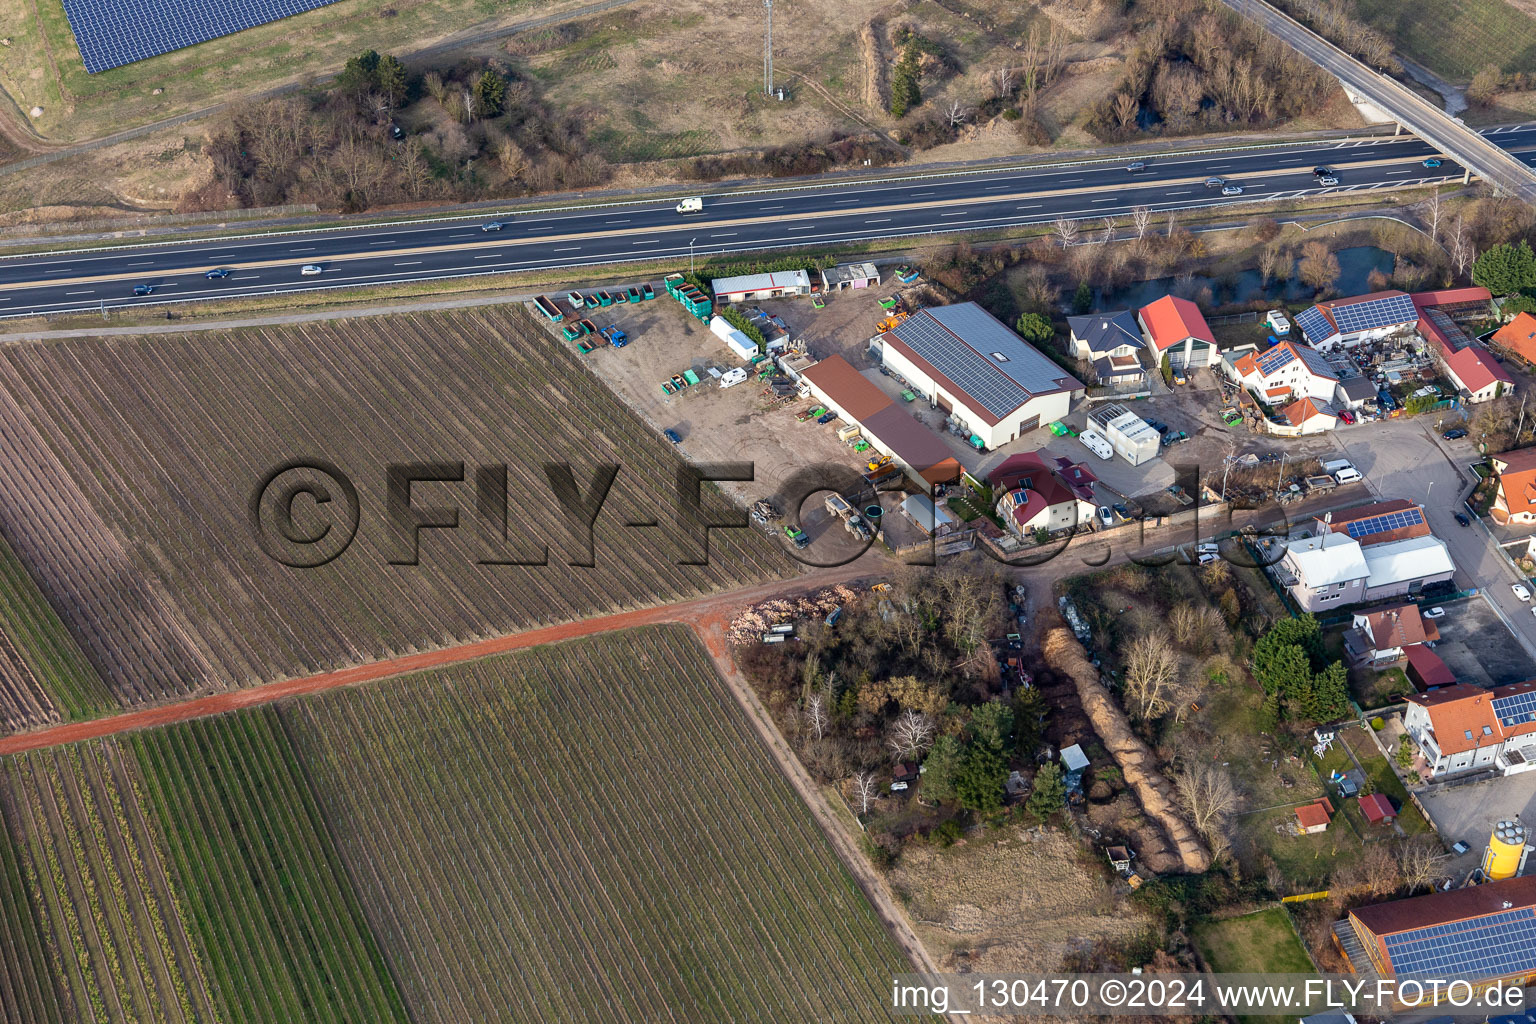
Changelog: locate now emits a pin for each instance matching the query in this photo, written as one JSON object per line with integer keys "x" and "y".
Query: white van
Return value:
{"x": 1348, "y": 475}
{"x": 693, "y": 204}
{"x": 1335, "y": 465}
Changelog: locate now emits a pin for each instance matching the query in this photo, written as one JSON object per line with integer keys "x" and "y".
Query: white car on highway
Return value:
{"x": 310, "y": 270}
{"x": 1520, "y": 591}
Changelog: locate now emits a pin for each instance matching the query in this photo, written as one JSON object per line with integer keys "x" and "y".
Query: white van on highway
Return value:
{"x": 691, "y": 205}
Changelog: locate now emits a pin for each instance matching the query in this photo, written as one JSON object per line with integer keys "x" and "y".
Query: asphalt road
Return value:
{"x": 797, "y": 216}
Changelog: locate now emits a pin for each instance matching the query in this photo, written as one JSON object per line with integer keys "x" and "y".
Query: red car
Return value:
{"x": 1347, "y": 416}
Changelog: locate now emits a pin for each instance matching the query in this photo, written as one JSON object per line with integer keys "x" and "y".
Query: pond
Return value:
{"x": 1355, "y": 266}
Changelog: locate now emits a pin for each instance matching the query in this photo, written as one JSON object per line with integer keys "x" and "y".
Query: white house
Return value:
{"x": 1462, "y": 728}
{"x": 1037, "y": 491}
{"x": 1308, "y": 417}
{"x": 1175, "y": 328}
{"x": 965, "y": 361}
{"x": 1112, "y": 342}
{"x": 1348, "y": 322}
{"x": 1283, "y": 372}
{"x": 1324, "y": 571}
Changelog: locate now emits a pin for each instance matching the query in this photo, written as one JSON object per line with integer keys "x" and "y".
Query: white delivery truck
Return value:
{"x": 693, "y": 204}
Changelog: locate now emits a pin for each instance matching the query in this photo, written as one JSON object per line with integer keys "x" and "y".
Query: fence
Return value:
{"x": 1303, "y": 897}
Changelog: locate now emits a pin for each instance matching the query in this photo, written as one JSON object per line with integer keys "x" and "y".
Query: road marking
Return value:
{"x": 1185, "y": 193}
{"x": 247, "y": 277}
{"x": 616, "y": 222}
{"x": 1106, "y": 199}
{"x": 772, "y": 207}
{"x": 728, "y": 234}
{"x": 994, "y": 188}
{"x": 575, "y": 248}
{"x": 957, "y": 213}
{"x": 801, "y": 227}
{"x": 1035, "y": 206}
{"x": 1068, "y": 181}
{"x": 882, "y": 220}
{"x": 306, "y": 249}
{"x": 91, "y": 292}
{"x": 65, "y": 270}
{"x": 414, "y": 263}
{"x": 841, "y": 202}
{"x": 461, "y": 236}
{"x": 489, "y": 256}
{"x": 149, "y": 264}
{"x": 919, "y": 195}
{"x": 647, "y": 241}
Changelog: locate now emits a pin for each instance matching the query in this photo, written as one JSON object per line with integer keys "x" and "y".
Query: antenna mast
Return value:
{"x": 768, "y": 51}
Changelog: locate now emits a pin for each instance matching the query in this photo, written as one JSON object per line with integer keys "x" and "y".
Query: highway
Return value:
{"x": 795, "y": 215}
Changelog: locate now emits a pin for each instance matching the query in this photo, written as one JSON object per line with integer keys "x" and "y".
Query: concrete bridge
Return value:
{"x": 1371, "y": 90}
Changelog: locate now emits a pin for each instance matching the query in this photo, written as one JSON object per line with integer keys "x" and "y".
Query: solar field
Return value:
{"x": 111, "y": 33}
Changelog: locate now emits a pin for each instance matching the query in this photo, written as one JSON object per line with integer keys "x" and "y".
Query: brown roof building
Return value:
{"x": 1481, "y": 933}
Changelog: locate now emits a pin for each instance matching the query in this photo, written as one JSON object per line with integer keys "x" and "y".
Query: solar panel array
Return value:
{"x": 1485, "y": 947}
{"x": 1384, "y": 522}
{"x": 111, "y": 33}
{"x": 1387, "y": 311}
{"x": 958, "y": 340}
{"x": 1314, "y": 324}
{"x": 1515, "y": 710}
{"x": 1275, "y": 358}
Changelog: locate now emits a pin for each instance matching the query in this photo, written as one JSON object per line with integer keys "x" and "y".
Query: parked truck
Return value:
{"x": 838, "y": 506}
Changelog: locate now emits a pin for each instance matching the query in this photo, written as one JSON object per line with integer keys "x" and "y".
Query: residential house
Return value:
{"x": 1175, "y": 328}
{"x": 1112, "y": 342}
{"x": 1354, "y": 392}
{"x": 1378, "y": 809}
{"x": 1381, "y": 636}
{"x": 1518, "y": 337}
{"x": 1034, "y": 495}
{"x": 1282, "y": 372}
{"x": 969, "y": 364}
{"x": 1363, "y": 559}
{"x": 1480, "y": 933}
{"x": 1376, "y": 522}
{"x": 1345, "y": 323}
{"x": 1462, "y": 728}
{"x": 1516, "y": 498}
{"x": 1323, "y": 572}
{"x": 1308, "y": 417}
{"x": 1314, "y": 817}
{"x": 1477, "y": 375}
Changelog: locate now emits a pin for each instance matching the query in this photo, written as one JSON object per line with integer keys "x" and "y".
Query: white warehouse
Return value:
{"x": 969, "y": 364}
{"x": 1128, "y": 434}
{"x": 734, "y": 339}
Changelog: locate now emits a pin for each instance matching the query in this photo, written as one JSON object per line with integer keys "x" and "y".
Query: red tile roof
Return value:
{"x": 1451, "y": 296}
{"x": 1425, "y": 669}
{"x": 1170, "y": 320}
{"x": 1447, "y": 907}
{"x": 1519, "y": 336}
{"x": 1462, "y": 717}
{"x": 1517, "y": 479}
{"x": 854, "y": 393}
{"x": 1399, "y": 626}
{"x": 1474, "y": 366}
{"x": 1031, "y": 472}
{"x": 1377, "y": 808}
{"x": 1300, "y": 411}
{"x": 1312, "y": 815}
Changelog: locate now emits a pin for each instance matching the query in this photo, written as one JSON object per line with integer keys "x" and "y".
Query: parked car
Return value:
{"x": 217, "y": 274}
{"x": 1520, "y": 591}
{"x": 1121, "y": 512}
{"x": 1158, "y": 425}
{"x": 1136, "y": 166}
{"x": 492, "y": 225}
{"x": 1463, "y": 519}
{"x": 1178, "y": 377}
{"x": 1347, "y": 416}
{"x": 1106, "y": 517}
{"x": 310, "y": 270}
{"x": 143, "y": 289}
{"x": 1231, "y": 190}
{"x": 1435, "y": 613}
{"x": 672, "y": 435}
{"x": 1432, "y": 162}
{"x": 1454, "y": 435}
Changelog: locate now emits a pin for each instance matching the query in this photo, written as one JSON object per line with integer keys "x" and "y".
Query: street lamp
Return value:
{"x": 690, "y": 254}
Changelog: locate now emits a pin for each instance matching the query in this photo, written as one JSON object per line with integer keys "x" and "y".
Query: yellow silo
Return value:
{"x": 1505, "y": 848}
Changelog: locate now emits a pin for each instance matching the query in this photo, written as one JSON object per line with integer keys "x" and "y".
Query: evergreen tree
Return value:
{"x": 981, "y": 777}
{"x": 360, "y": 73}
{"x": 992, "y": 723}
{"x": 1082, "y": 299}
{"x": 390, "y": 78}
{"x": 906, "y": 89}
{"x": 1506, "y": 269}
{"x": 490, "y": 94}
{"x": 1034, "y": 328}
{"x": 1049, "y": 793}
{"x": 940, "y": 768}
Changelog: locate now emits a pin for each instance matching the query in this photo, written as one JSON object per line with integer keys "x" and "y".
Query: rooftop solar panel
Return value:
{"x": 963, "y": 343}
{"x": 1387, "y": 311}
{"x": 1382, "y": 523}
{"x": 1490, "y": 946}
{"x": 111, "y": 33}
{"x": 1314, "y": 324}
{"x": 1516, "y": 710}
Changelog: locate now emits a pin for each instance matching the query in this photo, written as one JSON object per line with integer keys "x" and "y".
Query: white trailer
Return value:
{"x": 1128, "y": 434}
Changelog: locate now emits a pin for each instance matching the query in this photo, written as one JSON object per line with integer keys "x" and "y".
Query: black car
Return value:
{"x": 1320, "y": 172}
{"x": 1158, "y": 425}
{"x": 143, "y": 289}
{"x": 492, "y": 225}
{"x": 217, "y": 274}
{"x": 1121, "y": 512}
{"x": 673, "y": 436}
{"x": 1461, "y": 517}
{"x": 1454, "y": 435}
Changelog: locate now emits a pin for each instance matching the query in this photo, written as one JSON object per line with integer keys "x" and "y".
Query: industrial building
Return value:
{"x": 849, "y": 275}
{"x": 1481, "y": 933}
{"x": 753, "y": 287}
{"x": 966, "y": 362}
{"x": 1129, "y": 435}
{"x": 920, "y": 453}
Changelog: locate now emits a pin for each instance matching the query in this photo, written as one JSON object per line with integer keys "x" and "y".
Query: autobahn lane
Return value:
{"x": 768, "y": 218}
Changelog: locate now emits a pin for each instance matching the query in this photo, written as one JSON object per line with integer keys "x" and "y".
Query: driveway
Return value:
{"x": 1469, "y": 812}
{"x": 1407, "y": 458}
{"x": 1475, "y": 645}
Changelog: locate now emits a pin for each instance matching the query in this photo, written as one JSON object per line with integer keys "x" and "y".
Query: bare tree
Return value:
{"x": 1432, "y": 215}
{"x": 1173, "y": 222}
{"x": 1193, "y": 626}
{"x": 1151, "y": 676}
{"x": 1463, "y": 252}
{"x": 1141, "y": 216}
{"x": 1002, "y": 82}
{"x": 1125, "y": 109}
{"x": 415, "y": 170}
{"x": 865, "y": 785}
{"x": 1318, "y": 268}
{"x": 816, "y": 713}
{"x": 1418, "y": 859}
{"x": 957, "y": 114}
{"x": 1269, "y": 262}
{"x": 1108, "y": 234}
{"x": 911, "y": 734}
{"x": 1066, "y": 232}
{"x": 1208, "y": 793}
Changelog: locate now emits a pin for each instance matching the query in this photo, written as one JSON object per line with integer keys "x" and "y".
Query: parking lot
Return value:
{"x": 1468, "y": 812}
{"x": 1477, "y": 647}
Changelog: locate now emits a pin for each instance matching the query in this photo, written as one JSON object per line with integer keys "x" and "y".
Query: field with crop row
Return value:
{"x": 93, "y": 929}
{"x": 588, "y": 832}
{"x": 282, "y": 935}
{"x": 127, "y": 468}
